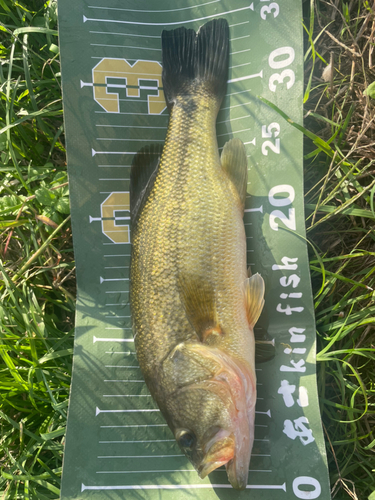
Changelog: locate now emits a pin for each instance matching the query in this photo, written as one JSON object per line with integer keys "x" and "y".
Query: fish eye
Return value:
{"x": 186, "y": 439}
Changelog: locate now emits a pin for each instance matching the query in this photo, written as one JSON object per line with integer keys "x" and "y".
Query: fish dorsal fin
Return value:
{"x": 142, "y": 177}
{"x": 254, "y": 298}
{"x": 198, "y": 299}
{"x": 234, "y": 162}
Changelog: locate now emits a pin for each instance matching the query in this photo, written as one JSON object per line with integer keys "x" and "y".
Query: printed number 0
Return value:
{"x": 306, "y": 481}
{"x": 267, "y": 9}
{"x": 289, "y": 222}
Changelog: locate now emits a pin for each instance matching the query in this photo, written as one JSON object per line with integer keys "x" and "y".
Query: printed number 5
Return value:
{"x": 280, "y": 77}
{"x": 267, "y": 9}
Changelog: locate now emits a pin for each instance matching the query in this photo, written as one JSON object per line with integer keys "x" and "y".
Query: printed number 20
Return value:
{"x": 290, "y": 221}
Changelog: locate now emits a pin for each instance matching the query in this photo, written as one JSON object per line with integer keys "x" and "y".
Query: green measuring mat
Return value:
{"x": 118, "y": 444}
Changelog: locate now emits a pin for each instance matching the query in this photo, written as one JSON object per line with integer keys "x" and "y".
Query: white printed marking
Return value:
{"x": 165, "y": 24}
{"x": 118, "y": 255}
{"x": 97, "y": 339}
{"x": 120, "y": 267}
{"x": 127, "y": 396}
{"x": 85, "y": 84}
{"x": 121, "y": 112}
{"x": 238, "y": 24}
{"x": 115, "y": 316}
{"x": 251, "y": 142}
{"x": 240, "y": 65}
{"x": 133, "y": 425}
{"x": 236, "y": 106}
{"x": 248, "y": 77}
{"x": 239, "y": 52}
{"x": 93, "y": 152}
{"x": 240, "y": 92}
{"x": 135, "y": 381}
{"x": 268, "y": 413}
{"x": 122, "y": 47}
{"x": 260, "y": 209}
{"x": 154, "y": 11}
{"x": 120, "y": 139}
{"x": 120, "y": 352}
{"x": 143, "y": 441}
{"x": 124, "y": 34}
{"x": 233, "y": 119}
{"x": 112, "y": 279}
{"x": 169, "y": 470}
{"x": 97, "y": 411}
{"x": 143, "y": 471}
{"x": 140, "y": 456}
{"x": 182, "y": 487}
{"x": 237, "y": 132}
{"x": 239, "y": 38}
{"x": 130, "y": 126}
{"x": 115, "y": 166}
{"x": 121, "y": 366}
{"x": 117, "y": 328}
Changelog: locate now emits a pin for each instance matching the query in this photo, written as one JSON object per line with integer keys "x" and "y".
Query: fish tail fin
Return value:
{"x": 193, "y": 61}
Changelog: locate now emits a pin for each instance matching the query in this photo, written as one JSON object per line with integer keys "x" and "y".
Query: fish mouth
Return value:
{"x": 219, "y": 451}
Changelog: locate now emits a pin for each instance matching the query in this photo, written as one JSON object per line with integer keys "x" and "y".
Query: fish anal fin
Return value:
{"x": 142, "y": 177}
{"x": 234, "y": 162}
{"x": 254, "y": 298}
{"x": 198, "y": 299}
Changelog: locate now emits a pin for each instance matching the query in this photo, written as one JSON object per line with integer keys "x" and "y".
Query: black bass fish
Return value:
{"x": 193, "y": 305}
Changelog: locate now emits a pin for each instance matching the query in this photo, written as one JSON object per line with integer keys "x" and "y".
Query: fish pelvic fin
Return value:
{"x": 254, "y": 298}
{"x": 198, "y": 299}
{"x": 234, "y": 162}
{"x": 142, "y": 177}
{"x": 193, "y": 61}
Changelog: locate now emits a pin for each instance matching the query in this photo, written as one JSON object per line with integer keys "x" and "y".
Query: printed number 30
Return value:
{"x": 278, "y": 59}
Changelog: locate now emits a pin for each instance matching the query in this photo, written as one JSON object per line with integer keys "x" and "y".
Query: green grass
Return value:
{"x": 37, "y": 284}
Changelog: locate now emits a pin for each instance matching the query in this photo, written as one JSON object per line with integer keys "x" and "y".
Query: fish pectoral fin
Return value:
{"x": 142, "y": 177}
{"x": 234, "y": 162}
{"x": 198, "y": 299}
{"x": 254, "y": 298}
